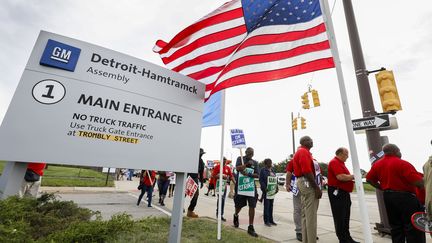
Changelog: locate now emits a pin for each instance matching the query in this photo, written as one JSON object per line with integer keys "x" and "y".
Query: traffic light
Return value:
{"x": 294, "y": 124}
{"x": 303, "y": 123}
{"x": 315, "y": 98}
{"x": 305, "y": 101}
{"x": 388, "y": 91}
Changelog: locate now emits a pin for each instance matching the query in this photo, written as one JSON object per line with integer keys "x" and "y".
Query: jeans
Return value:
{"x": 149, "y": 190}
{"x": 268, "y": 210}
{"x": 163, "y": 187}
{"x": 194, "y": 201}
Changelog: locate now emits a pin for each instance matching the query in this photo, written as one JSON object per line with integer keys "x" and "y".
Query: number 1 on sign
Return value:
{"x": 49, "y": 93}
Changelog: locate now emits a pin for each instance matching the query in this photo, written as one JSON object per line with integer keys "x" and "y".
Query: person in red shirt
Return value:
{"x": 398, "y": 179}
{"x": 340, "y": 185}
{"x": 227, "y": 176}
{"x": 304, "y": 170}
{"x": 32, "y": 179}
{"x": 147, "y": 179}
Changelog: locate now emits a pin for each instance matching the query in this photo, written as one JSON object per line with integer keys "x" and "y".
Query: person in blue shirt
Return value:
{"x": 265, "y": 173}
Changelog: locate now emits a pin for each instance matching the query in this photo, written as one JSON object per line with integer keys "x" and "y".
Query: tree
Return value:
{"x": 324, "y": 169}
{"x": 281, "y": 166}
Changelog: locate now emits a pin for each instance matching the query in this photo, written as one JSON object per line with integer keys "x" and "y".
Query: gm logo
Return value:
{"x": 60, "y": 55}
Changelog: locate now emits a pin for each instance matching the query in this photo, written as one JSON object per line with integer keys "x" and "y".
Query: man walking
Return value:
{"x": 398, "y": 179}
{"x": 248, "y": 169}
{"x": 226, "y": 176}
{"x": 196, "y": 177}
{"x": 146, "y": 185}
{"x": 310, "y": 191}
{"x": 340, "y": 185}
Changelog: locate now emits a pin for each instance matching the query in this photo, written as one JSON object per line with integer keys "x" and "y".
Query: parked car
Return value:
{"x": 281, "y": 178}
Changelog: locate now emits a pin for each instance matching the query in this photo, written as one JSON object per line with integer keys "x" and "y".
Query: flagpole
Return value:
{"x": 221, "y": 165}
{"x": 348, "y": 125}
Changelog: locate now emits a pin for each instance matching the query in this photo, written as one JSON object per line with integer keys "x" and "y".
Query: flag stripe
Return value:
{"x": 270, "y": 57}
{"x": 273, "y": 38}
{"x": 199, "y": 51}
{"x": 204, "y": 41}
{"x": 276, "y": 74}
{"x": 214, "y": 55}
{"x": 206, "y": 72}
{"x": 204, "y": 32}
{"x": 275, "y": 65}
{"x": 216, "y": 19}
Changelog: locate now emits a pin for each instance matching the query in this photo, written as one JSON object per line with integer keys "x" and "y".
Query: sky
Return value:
{"x": 393, "y": 33}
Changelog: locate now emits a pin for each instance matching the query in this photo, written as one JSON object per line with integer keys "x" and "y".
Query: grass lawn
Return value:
{"x": 194, "y": 230}
{"x": 368, "y": 187}
{"x": 2, "y": 165}
{"x": 70, "y": 176}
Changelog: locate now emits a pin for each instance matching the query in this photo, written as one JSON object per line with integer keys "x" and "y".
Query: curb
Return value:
{"x": 82, "y": 190}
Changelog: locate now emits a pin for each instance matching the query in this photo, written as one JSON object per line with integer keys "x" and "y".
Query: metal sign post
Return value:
{"x": 177, "y": 211}
{"x": 12, "y": 179}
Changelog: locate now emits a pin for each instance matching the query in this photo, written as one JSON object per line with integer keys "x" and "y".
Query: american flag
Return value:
{"x": 250, "y": 41}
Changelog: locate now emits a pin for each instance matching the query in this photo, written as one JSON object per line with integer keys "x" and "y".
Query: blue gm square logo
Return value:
{"x": 60, "y": 55}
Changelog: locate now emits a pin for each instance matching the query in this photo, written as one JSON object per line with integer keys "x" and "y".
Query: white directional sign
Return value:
{"x": 371, "y": 122}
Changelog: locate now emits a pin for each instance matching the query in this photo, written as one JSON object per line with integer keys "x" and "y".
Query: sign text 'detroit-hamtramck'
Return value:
{"x": 81, "y": 104}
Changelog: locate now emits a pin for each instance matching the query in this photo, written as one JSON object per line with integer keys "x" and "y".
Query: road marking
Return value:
{"x": 154, "y": 206}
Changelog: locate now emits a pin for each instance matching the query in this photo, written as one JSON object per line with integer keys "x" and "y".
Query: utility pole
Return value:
{"x": 373, "y": 136}
{"x": 292, "y": 129}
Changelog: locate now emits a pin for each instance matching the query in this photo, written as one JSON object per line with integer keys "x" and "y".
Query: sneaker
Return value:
{"x": 267, "y": 224}
{"x": 223, "y": 219}
{"x": 236, "y": 221}
{"x": 273, "y": 223}
{"x": 251, "y": 231}
{"x": 162, "y": 204}
{"x": 299, "y": 237}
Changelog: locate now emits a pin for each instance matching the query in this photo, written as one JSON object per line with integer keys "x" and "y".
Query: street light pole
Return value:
{"x": 373, "y": 136}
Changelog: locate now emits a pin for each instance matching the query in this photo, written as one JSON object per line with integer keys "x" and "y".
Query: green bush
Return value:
{"x": 28, "y": 219}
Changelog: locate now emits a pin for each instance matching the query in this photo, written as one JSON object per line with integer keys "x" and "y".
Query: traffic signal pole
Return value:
{"x": 292, "y": 129}
{"x": 373, "y": 136}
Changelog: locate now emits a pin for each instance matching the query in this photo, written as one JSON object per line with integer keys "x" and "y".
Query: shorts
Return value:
{"x": 240, "y": 201}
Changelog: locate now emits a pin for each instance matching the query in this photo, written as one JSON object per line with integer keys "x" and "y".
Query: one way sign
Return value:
{"x": 371, "y": 122}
